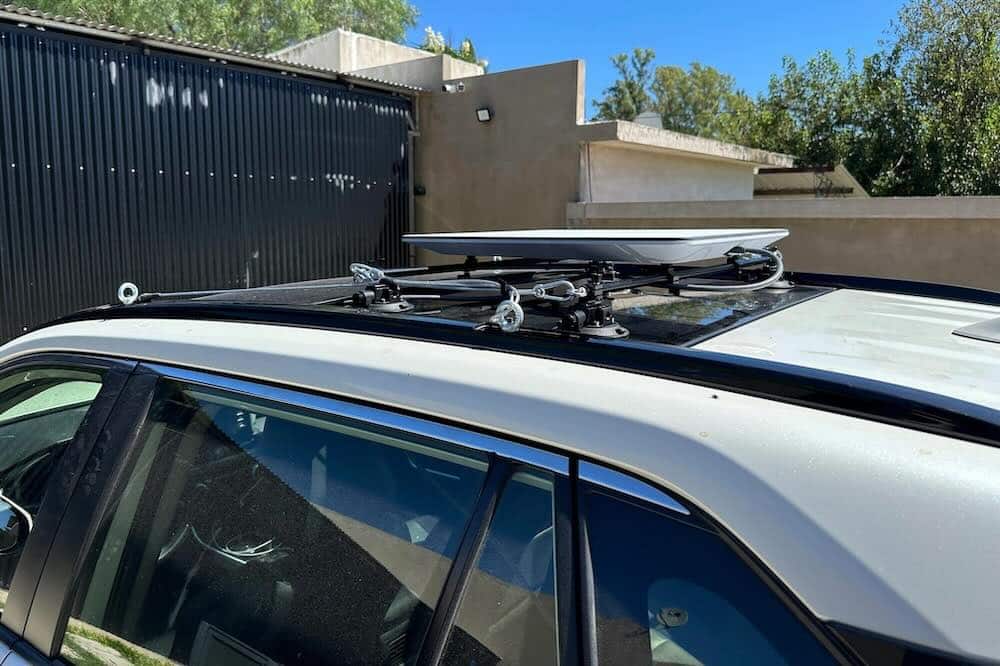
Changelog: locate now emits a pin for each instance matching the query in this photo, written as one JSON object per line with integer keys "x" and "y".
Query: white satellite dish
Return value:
{"x": 633, "y": 246}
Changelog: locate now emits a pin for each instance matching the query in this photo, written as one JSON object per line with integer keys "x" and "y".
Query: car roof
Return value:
{"x": 662, "y": 320}
{"x": 899, "y": 338}
{"x": 872, "y": 525}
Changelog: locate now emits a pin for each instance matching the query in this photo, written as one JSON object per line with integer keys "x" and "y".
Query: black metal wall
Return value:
{"x": 176, "y": 172}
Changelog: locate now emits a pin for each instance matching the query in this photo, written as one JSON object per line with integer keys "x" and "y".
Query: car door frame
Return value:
{"x": 66, "y": 476}
{"x": 111, "y": 463}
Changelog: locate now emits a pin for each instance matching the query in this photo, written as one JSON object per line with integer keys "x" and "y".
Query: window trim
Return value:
{"x": 355, "y": 411}
{"x": 57, "y": 503}
{"x": 606, "y": 477}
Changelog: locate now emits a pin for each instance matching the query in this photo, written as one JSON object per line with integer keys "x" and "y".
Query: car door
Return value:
{"x": 52, "y": 408}
{"x": 252, "y": 524}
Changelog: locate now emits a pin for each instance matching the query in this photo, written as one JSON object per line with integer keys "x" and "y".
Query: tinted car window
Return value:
{"x": 41, "y": 410}
{"x": 672, "y": 592}
{"x": 508, "y": 614}
{"x": 250, "y": 532}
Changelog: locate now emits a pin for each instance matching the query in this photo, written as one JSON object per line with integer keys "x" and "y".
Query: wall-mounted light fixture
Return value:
{"x": 484, "y": 115}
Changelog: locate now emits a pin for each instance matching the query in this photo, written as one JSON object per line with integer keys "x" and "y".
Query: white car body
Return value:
{"x": 871, "y": 525}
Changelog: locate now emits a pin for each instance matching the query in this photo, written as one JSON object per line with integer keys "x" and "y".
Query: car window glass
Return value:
{"x": 59, "y": 396}
{"x": 41, "y": 409}
{"x": 672, "y": 592}
{"x": 251, "y": 532}
{"x": 508, "y": 613}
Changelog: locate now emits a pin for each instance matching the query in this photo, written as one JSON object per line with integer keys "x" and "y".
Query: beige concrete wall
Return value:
{"x": 517, "y": 171}
{"x": 614, "y": 173}
{"x": 427, "y": 72}
{"x": 345, "y": 51}
{"x": 953, "y": 240}
{"x": 453, "y": 68}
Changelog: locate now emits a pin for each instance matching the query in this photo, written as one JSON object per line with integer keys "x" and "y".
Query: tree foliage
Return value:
{"x": 629, "y": 95}
{"x": 808, "y": 111}
{"x": 251, "y": 25}
{"x": 698, "y": 101}
{"x": 436, "y": 43}
{"x": 947, "y": 55}
{"x": 919, "y": 117}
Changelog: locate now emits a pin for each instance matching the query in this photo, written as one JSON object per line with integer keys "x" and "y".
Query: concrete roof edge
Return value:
{"x": 644, "y": 137}
{"x": 305, "y": 42}
{"x": 517, "y": 70}
{"x": 15, "y": 14}
{"x": 844, "y": 173}
{"x": 280, "y": 53}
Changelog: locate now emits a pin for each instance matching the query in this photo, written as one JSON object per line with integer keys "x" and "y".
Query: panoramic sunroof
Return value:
{"x": 654, "y": 314}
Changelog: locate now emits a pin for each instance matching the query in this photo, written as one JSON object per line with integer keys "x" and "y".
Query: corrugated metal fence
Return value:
{"x": 176, "y": 172}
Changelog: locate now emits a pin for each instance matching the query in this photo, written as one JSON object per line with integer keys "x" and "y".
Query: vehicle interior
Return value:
{"x": 212, "y": 548}
{"x": 40, "y": 413}
{"x": 682, "y": 597}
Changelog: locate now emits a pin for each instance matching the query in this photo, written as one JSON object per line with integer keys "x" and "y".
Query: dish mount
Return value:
{"x": 599, "y": 262}
{"x": 572, "y": 275}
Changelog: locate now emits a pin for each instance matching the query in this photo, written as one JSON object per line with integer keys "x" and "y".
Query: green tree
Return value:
{"x": 250, "y": 25}
{"x": 699, "y": 100}
{"x": 920, "y": 117}
{"x": 947, "y": 55}
{"x": 808, "y": 111}
{"x": 629, "y": 95}
{"x": 887, "y": 155}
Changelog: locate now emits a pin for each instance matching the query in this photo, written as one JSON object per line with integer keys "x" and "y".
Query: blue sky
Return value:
{"x": 745, "y": 38}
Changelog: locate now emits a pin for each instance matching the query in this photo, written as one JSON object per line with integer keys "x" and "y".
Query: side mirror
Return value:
{"x": 15, "y": 525}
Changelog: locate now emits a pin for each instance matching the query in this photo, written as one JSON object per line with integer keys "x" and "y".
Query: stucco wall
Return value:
{"x": 345, "y": 51}
{"x": 427, "y": 72}
{"x": 613, "y": 174}
{"x": 423, "y": 72}
{"x": 953, "y": 240}
{"x": 453, "y": 68}
{"x": 517, "y": 171}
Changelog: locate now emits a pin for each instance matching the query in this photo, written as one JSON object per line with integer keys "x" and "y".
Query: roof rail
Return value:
{"x": 828, "y": 391}
{"x": 948, "y": 292}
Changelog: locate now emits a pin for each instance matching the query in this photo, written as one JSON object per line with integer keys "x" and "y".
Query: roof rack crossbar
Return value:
{"x": 580, "y": 291}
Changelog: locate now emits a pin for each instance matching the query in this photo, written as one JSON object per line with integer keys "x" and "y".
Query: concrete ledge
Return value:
{"x": 642, "y": 137}
{"x": 952, "y": 240}
{"x": 890, "y": 208}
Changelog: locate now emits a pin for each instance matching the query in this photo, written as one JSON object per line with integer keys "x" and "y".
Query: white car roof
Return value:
{"x": 905, "y": 340}
{"x": 872, "y": 525}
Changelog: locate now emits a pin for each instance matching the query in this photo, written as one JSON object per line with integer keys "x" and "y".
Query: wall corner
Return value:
{"x": 581, "y": 91}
